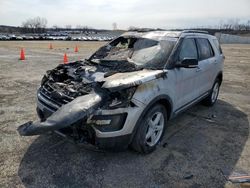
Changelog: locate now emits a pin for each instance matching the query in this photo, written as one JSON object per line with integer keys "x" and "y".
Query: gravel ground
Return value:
{"x": 201, "y": 147}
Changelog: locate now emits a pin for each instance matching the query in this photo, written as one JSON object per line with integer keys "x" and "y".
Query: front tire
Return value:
{"x": 212, "y": 97}
{"x": 150, "y": 130}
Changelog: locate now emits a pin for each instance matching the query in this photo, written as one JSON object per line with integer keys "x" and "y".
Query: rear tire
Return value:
{"x": 150, "y": 130}
{"x": 211, "y": 99}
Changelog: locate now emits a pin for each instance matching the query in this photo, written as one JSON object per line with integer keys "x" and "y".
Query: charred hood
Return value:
{"x": 80, "y": 78}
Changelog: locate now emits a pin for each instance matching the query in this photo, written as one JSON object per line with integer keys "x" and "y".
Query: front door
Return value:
{"x": 186, "y": 78}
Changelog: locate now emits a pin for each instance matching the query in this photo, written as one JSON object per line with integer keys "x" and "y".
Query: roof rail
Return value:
{"x": 145, "y": 29}
{"x": 195, "y": 31}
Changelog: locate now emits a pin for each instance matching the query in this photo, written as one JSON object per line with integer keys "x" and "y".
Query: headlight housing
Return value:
{"x": 121, "y": 99}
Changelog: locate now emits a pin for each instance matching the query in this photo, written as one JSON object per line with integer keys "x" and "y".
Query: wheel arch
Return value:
{"x": 165, "y": 100}
{"x": 220, "y": 76}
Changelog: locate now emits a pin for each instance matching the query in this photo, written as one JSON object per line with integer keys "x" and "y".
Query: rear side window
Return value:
{"x": 188, "y": 49}
{"x": 217, "y": 44}
{"x": 204, "y": 48}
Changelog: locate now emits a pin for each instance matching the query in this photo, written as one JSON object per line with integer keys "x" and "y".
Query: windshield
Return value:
{"x": 142, "y": 52}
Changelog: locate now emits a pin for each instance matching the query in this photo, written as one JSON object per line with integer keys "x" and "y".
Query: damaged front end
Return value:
{"x": 68, "y": 114}
{"x": 68, "y": 96}
{"x": 71, "y": 93}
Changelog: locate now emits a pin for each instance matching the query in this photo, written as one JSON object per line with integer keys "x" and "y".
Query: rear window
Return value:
{"x": 205, "y": 49}
{"x": 217, "y": 44}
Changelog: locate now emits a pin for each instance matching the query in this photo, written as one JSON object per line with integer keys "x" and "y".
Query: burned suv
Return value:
{"x": 124, "y": 94}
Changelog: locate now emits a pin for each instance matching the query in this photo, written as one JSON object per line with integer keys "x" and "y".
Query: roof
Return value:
{"x": 161, "y": 34}
{"x": 157, "y": 35}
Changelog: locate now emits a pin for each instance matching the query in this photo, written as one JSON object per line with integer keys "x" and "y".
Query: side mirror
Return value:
{"x": 188, "y": 63}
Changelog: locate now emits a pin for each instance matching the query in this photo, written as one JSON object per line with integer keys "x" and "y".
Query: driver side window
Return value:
{"x": 188, "y": 49}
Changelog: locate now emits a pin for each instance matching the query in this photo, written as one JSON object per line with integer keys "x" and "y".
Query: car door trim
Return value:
{"x": 191, "y": 103}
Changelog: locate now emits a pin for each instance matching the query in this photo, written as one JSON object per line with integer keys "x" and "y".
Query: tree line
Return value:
{"x": 34, "y": 25}
{"x": 39, "y": 25}
{"x": 235, "y": 24}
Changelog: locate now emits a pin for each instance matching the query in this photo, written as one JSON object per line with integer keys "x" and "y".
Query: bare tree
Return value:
{"x": 68, "y": 27}
{"x": 114, "y": 26}
{"x": 55, "y": 27}
{"x": 79, "y": 27}
{"x": 234, "y": 24}
{"x": 35, "y": 25}
{"x": 132, "y": 28}
{"x": 248, "y": 25}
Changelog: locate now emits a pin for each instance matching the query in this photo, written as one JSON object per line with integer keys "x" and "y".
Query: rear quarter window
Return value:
{"x": 204, "y": 48}
{"x": 217, "y": 45}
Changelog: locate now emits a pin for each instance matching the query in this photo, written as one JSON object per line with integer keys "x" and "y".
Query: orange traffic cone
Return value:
{"x": 50, "y": 46}
{"x": 65, "y": 59}
{"x": 22, "y": 56}
{"x": 76, "y": 49}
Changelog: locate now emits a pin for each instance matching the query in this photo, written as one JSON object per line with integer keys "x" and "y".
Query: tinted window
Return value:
{"x": 188, "y": 50}
{"x": 217, "y": 44}
{"x": 205, "y": 49}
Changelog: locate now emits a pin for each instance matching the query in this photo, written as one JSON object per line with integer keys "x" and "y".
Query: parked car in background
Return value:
{"x": 19, "y": 38}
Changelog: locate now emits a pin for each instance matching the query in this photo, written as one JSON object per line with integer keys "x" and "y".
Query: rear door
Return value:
{"x": 206, "y": 68}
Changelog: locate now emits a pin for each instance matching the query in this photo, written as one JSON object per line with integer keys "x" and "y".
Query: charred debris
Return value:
{"x": 76, "y": 91}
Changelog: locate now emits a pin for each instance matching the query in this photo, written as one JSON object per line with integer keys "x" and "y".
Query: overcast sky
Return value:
{"x": 140, "y": 13}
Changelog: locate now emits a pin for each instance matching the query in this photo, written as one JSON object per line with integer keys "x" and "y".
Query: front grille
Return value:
{"x": 46, "y": 102}
{"x": 49, "y": 91}
{"x": 47, "y": 96}
{"x": 53, "y": 95}
{"x": 44, "y": 96}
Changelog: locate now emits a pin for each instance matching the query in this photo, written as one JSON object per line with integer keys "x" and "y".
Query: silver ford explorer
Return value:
{"x": 127, "y": 91}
